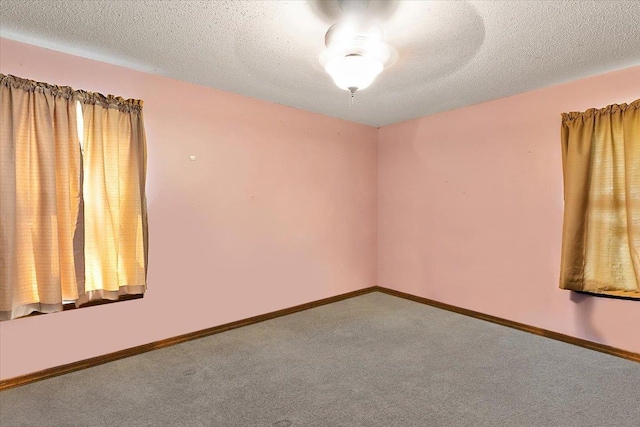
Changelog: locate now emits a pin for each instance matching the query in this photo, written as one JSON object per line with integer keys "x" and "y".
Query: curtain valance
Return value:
{"x": 595, "y": 112}
{"x": 67, "y": 92}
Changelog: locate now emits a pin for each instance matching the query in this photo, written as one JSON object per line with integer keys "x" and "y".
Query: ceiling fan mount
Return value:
{"x": 353, "y": 6}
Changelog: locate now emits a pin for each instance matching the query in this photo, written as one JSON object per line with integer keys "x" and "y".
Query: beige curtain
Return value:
{"x": 73, "y": 225}
{"x": 115, "y": 214}
{"x": 39, "y": 196}
{"x": 601, "y": 233}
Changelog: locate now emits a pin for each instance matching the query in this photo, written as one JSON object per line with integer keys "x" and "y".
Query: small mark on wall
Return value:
{"x": 192, "y": 158}
{"x": 189, "y": 372}
{"x": 282, "y": 423}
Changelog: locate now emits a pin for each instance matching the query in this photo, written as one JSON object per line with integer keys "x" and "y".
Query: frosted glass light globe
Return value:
{"x": 353, "y": 71}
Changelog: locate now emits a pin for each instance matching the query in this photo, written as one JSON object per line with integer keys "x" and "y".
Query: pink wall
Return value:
{"x": 470, "y": 210}
{"x": 279, "y": 209}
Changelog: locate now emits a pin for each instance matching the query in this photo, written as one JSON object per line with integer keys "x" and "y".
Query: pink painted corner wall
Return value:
{"x": 470, "y": 210}
{"x": 278, "y": 209}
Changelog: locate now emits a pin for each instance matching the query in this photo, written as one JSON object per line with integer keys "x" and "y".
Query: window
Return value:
{"x": 73, "y": 208}
{"x": 601, "y": 232}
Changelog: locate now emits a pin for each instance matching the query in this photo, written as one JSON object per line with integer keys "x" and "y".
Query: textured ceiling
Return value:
{"x": 450, "y": 54}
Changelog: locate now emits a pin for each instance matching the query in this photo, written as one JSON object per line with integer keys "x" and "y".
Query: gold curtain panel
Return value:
{"x": 73, "y": 220}
{"x": 601, "y": 232}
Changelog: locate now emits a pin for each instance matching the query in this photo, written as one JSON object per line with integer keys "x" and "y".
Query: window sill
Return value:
{"x": 72, "y": 306}
{"x": 631, "y": 296}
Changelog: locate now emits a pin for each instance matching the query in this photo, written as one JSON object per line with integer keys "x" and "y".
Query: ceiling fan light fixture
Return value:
{"x": 353, "y": 72}
{"x": 355, "y": 53}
